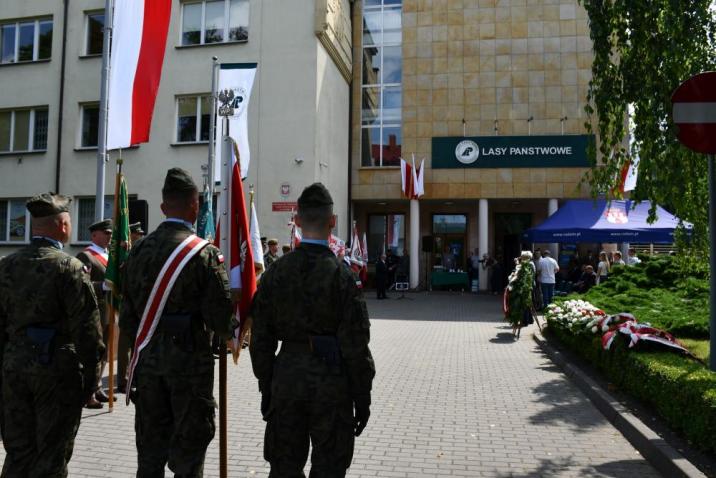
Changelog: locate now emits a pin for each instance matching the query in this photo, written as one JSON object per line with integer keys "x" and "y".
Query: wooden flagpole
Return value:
{"x": 110, "y": 306}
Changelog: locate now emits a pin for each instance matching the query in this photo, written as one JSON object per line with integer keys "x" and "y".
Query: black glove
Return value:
{"x": 362, "y": 413}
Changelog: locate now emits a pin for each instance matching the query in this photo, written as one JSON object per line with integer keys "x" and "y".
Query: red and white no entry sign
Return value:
{"x": 694, "y": 112}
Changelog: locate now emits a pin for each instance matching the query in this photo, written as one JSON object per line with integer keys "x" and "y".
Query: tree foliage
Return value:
{"x": 643, "y": 50}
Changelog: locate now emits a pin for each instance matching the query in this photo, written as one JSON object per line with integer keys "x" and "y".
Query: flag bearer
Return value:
{"x": 173, "y": 367}
{"x": 318, "y": 388}
{"x": 51, "y": 341}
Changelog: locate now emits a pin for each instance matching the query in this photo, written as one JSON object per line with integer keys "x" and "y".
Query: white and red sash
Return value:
{"x": 160, "y": 293}
{"x": 98, "y": 253}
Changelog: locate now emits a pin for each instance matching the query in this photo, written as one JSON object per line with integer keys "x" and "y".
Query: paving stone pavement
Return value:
{"x": 455, "y": 395}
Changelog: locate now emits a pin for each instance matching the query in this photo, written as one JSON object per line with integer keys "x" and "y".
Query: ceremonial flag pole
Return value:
{"x": 103, "y": 114}
{"x": 212, "y": 128}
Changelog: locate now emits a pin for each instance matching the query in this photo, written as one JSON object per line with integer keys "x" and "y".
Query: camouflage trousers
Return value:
{"x": 41, "y": 414}
{"x": 291, "y": 425}
{"x": 174, "y": 423}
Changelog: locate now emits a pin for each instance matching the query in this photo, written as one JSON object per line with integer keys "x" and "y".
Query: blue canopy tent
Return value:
{"x": 586, "y": 220}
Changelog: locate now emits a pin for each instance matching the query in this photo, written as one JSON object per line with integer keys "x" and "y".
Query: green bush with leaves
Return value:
{"x": 662, "y": 291}
{"x": 679, "y": 389}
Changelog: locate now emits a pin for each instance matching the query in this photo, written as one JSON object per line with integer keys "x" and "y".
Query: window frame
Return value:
{"x": 379, "y": 123}
{"x": 35, "y": 39}
{"x": 77, "y": 227}
{"x": 85, "y": 46}
{"x": 197, "y": 132}
{"x": 202, "y": 32}
{"x": 79, "y": 146}
{"x": 28, "y": 225}
{"x": 385, "y": 215}
{"x": 30, "y": 130}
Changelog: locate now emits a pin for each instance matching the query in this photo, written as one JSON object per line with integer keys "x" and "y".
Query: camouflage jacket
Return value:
{"x": 308, "y": 292}
{"x": 201, "y": 290}
{"x": 41, "y": 286}
{"x": 97, "y": 271}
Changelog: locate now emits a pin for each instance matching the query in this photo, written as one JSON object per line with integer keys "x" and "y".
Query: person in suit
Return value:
{"x": 381, "y": 277}
{"x": 95, "y": 257}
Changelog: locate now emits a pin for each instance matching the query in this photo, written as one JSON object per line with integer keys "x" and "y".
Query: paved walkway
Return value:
{"x": 454, "y": 396}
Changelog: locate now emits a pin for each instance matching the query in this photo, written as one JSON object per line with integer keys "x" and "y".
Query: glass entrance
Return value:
{"x": 449, "y": 241}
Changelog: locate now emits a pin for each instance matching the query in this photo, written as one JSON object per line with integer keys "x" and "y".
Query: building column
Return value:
{"x": 482, "y": 234}
{"x": 414, "y": 243}
{"x": 552, "y": 207}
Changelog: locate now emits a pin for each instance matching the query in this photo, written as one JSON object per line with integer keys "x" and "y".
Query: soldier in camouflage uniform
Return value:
{"x": 318, "y": 388}
{"x": 51, "y": 341}
{"x": 174, "y": 377}
{"x": 272, "y": 254}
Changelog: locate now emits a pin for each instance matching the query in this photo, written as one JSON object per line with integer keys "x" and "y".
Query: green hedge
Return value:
{"x": 677, "y": 388}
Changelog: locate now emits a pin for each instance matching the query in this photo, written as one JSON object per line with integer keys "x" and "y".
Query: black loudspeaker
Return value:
{"x": 139, "y": 212}
{"x": 427, "y": 243}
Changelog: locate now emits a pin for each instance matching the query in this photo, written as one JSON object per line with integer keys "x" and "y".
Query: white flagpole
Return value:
{"x": 104, "y": 98}
{"x": 212, "y": 128}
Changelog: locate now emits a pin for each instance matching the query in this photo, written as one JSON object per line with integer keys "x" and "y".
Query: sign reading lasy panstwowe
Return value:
{"x": 511, "y": 151}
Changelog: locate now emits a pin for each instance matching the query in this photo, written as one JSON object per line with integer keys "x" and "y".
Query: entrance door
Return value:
{"x": 449, "y": 240}
{"x": 509, "y": 228}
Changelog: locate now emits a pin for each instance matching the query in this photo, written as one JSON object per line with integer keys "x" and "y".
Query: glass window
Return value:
{"x": 205, "y": 118}
{"x": 40, "y": 141}
{"x": 191, "y": 23}
{"x": 5, "y": 128}
{"x": 17, "y": 41}
{"x": 3, "y": 221}
{"x": 22, "y": 130}
{"x": 214, "y": 21}
{"x": 193, "y": 117}
{"x": 18, "y": 222}
{"x": 44, "y": 50}
{"x": 386, "y": 232}
{"x": 90, "y": 126}
{"x": 95, "y": 33}
{"x": 8, "y": 43}
{"x": 382, "y": 76}
{"x": 85, "y": 216}
{"x": 239, "y": 20}
{"x": 449, "y": 224}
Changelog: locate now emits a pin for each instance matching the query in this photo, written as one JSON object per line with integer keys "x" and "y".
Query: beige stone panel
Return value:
{"x": 440, "y": 17}
{"x": 439, "y": 112}
{"x": 538, "y": 190}
{"x": 472, "y": 96}
{"x": 410, "y": 35}
{"x": 584, "y": 60}
{"x": 455, "y": 18}
{"x": 487, "y": 63}
{"x": 519, "y": 128}
{"x": 551, "y": 12}
{"x": 503, "y": 79}
{"x": 456, "y": 96}
{"x": 488, "y": 79}
{"x": 439, "y": 5}
{"x": 504, "y": 191}
{"x": 555, "y": 190}
{"x": 456, "y": 34}
{"x": 425, "y": 97}
{"x": 410, "y": 129}
{"x": 538, "y": 175}
{"x": 437, "y": 49}
{"x": 504, "y": 113}
{"x": 553, "y": 78}
{"x": 520, "y": 29}
{"x": 521, "y": 189}
{"x": 535, "y": 45}
{"x": 520, "y": 111}
{"x": 508, "y": 95}
{"x": 425, "y": 51}
{"x": 488, "y": 190}
{"x": 470, "y": 31}
{"x": 536, "y": 94}
{"x": 550, "y": 28}
{"x": 456, "y": 113}
{"x": 424, "y": 129}
{"x": 454, "y": 65}
{"x": 537, "y": 110}
{"x": 554, "y": 110}
{"x": 567, "y": 27}
{"x": 584, "y": 44}
{"x": 486, "y": 14}
{"x": 503, "y": 31}
{"x": 520, "y": 78}
{"x": 456, "y": 190}
{"x": 440, "y": 96}
{"x": 488, "y": 111}
{"x": 471, "y": 16}
{"x": 488, "y": 176}
{"x": 535, "y": 61}
{"x": 519, "y": 46}
{"x": 569, "y": 77}
{"x": 553, "y": 94}
{"x": 456, "y": 80}
{"x": 569, "y": 94}
{"x": 410, "y": 6}
{"x": 520, "y": 175}
{"x": 504, "y": 176}
{"x": 535, "y": 29}
{"x": 471, "y": 64}
{"x": 472, "y": 191}
{"x": 424, "y": 145}
{"x": 366, "y": 176}
{"x": 440, "y": 128}
{"x": 455, "y": 48}
{"x": 449, "y": 175}
{"x": 471, "y": 47}
{"x": 487, "y": 95}
{"x": 568, "y": 44}
{"x": 410, "y": 97}
{"x": 472, "y": 175}
{"x": 410, "y": 50}
{"x": 425, "y": 34}
{"x": 488, "y": 47}
{"x": 568, "y": 60}
{"x": 519, "y": 13}
{"x": 552, "y": 61}
{"x": 410, "y": 82}
{"x": 472, "y": 116}
{"x": 471, "y": 80}
{"x": 424, "y": 66}
{"x": 487, "y": 31}
{"x": 571, "y": 191}
{"x": 584, "y": 76}
{"x": 440, "y": 190}
{"x": 503, "y": 63}
{"x": 551, "y": 44}
{"x": 583, "y": 28}
{"x": 572, "y": 175}
{"x": 440, "y": 33}
{"x": 520, "y": 62}
{"x": 455, "y": 4}
{"x": 502, "y": 14}
{"x": 424, "y": 82}
{"x": 440, "y": 81}
{"x": 425, "y": 18}
{"x": 410, "y": 66}
{"x": 410, "y": 19}
{"x": 536, "y": 78}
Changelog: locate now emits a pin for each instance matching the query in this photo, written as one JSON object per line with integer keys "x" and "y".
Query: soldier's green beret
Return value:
{"x": 178, "y": 180}
{"x": 104, "y": 225}
{"x": 48, "y": 204}
{"x": 272, "y": 242}
{"x": 136, "y": 228}
{"x": 315, "y": 195}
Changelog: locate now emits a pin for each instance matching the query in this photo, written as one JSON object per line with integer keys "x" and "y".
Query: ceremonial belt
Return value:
{"x": 160, "y": 293}
{"x": 101, "y": 258}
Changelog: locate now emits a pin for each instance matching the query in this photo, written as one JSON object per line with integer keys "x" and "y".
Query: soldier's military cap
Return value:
{"x": 104, "y": 225}
{"x": 48, "y": 204}
{"x": 315, "y": 195}
{"x": 272, "y": 242}
{"x": 178, "y": 180}
{"x": 136, "y": 228}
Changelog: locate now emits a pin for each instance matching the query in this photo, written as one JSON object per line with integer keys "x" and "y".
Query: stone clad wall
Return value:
{"x": 481, "y": 61}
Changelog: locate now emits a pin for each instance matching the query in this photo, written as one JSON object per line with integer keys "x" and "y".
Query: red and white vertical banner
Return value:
{"x": 139, "y": 38}
{"x": 630, "y": 173}
{"x": 239, "y": 78}
{"x": 242, "y": 272}
{"x": 406, "y": 177}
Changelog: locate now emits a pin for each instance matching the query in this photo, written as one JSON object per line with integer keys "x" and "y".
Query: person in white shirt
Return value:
{"x": 603, "y": 268}
{"x": 547, "y": 268}
{"x": 632, "y": 259}
{"x": 618, "y": 261}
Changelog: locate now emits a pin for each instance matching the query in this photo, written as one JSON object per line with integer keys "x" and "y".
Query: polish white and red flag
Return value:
{"x": 412, "y": 183}
{"x": 628, "y": 175}
{"x": 242, "y": 272}
{"x": 139, "y": 37}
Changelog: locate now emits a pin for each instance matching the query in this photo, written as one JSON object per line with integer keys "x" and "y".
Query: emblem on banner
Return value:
{"x": 467, "y": 151}
{"x": 239, "y": 100}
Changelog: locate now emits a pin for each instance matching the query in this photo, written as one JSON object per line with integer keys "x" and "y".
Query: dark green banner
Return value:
{"x": 565, "y": 151}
